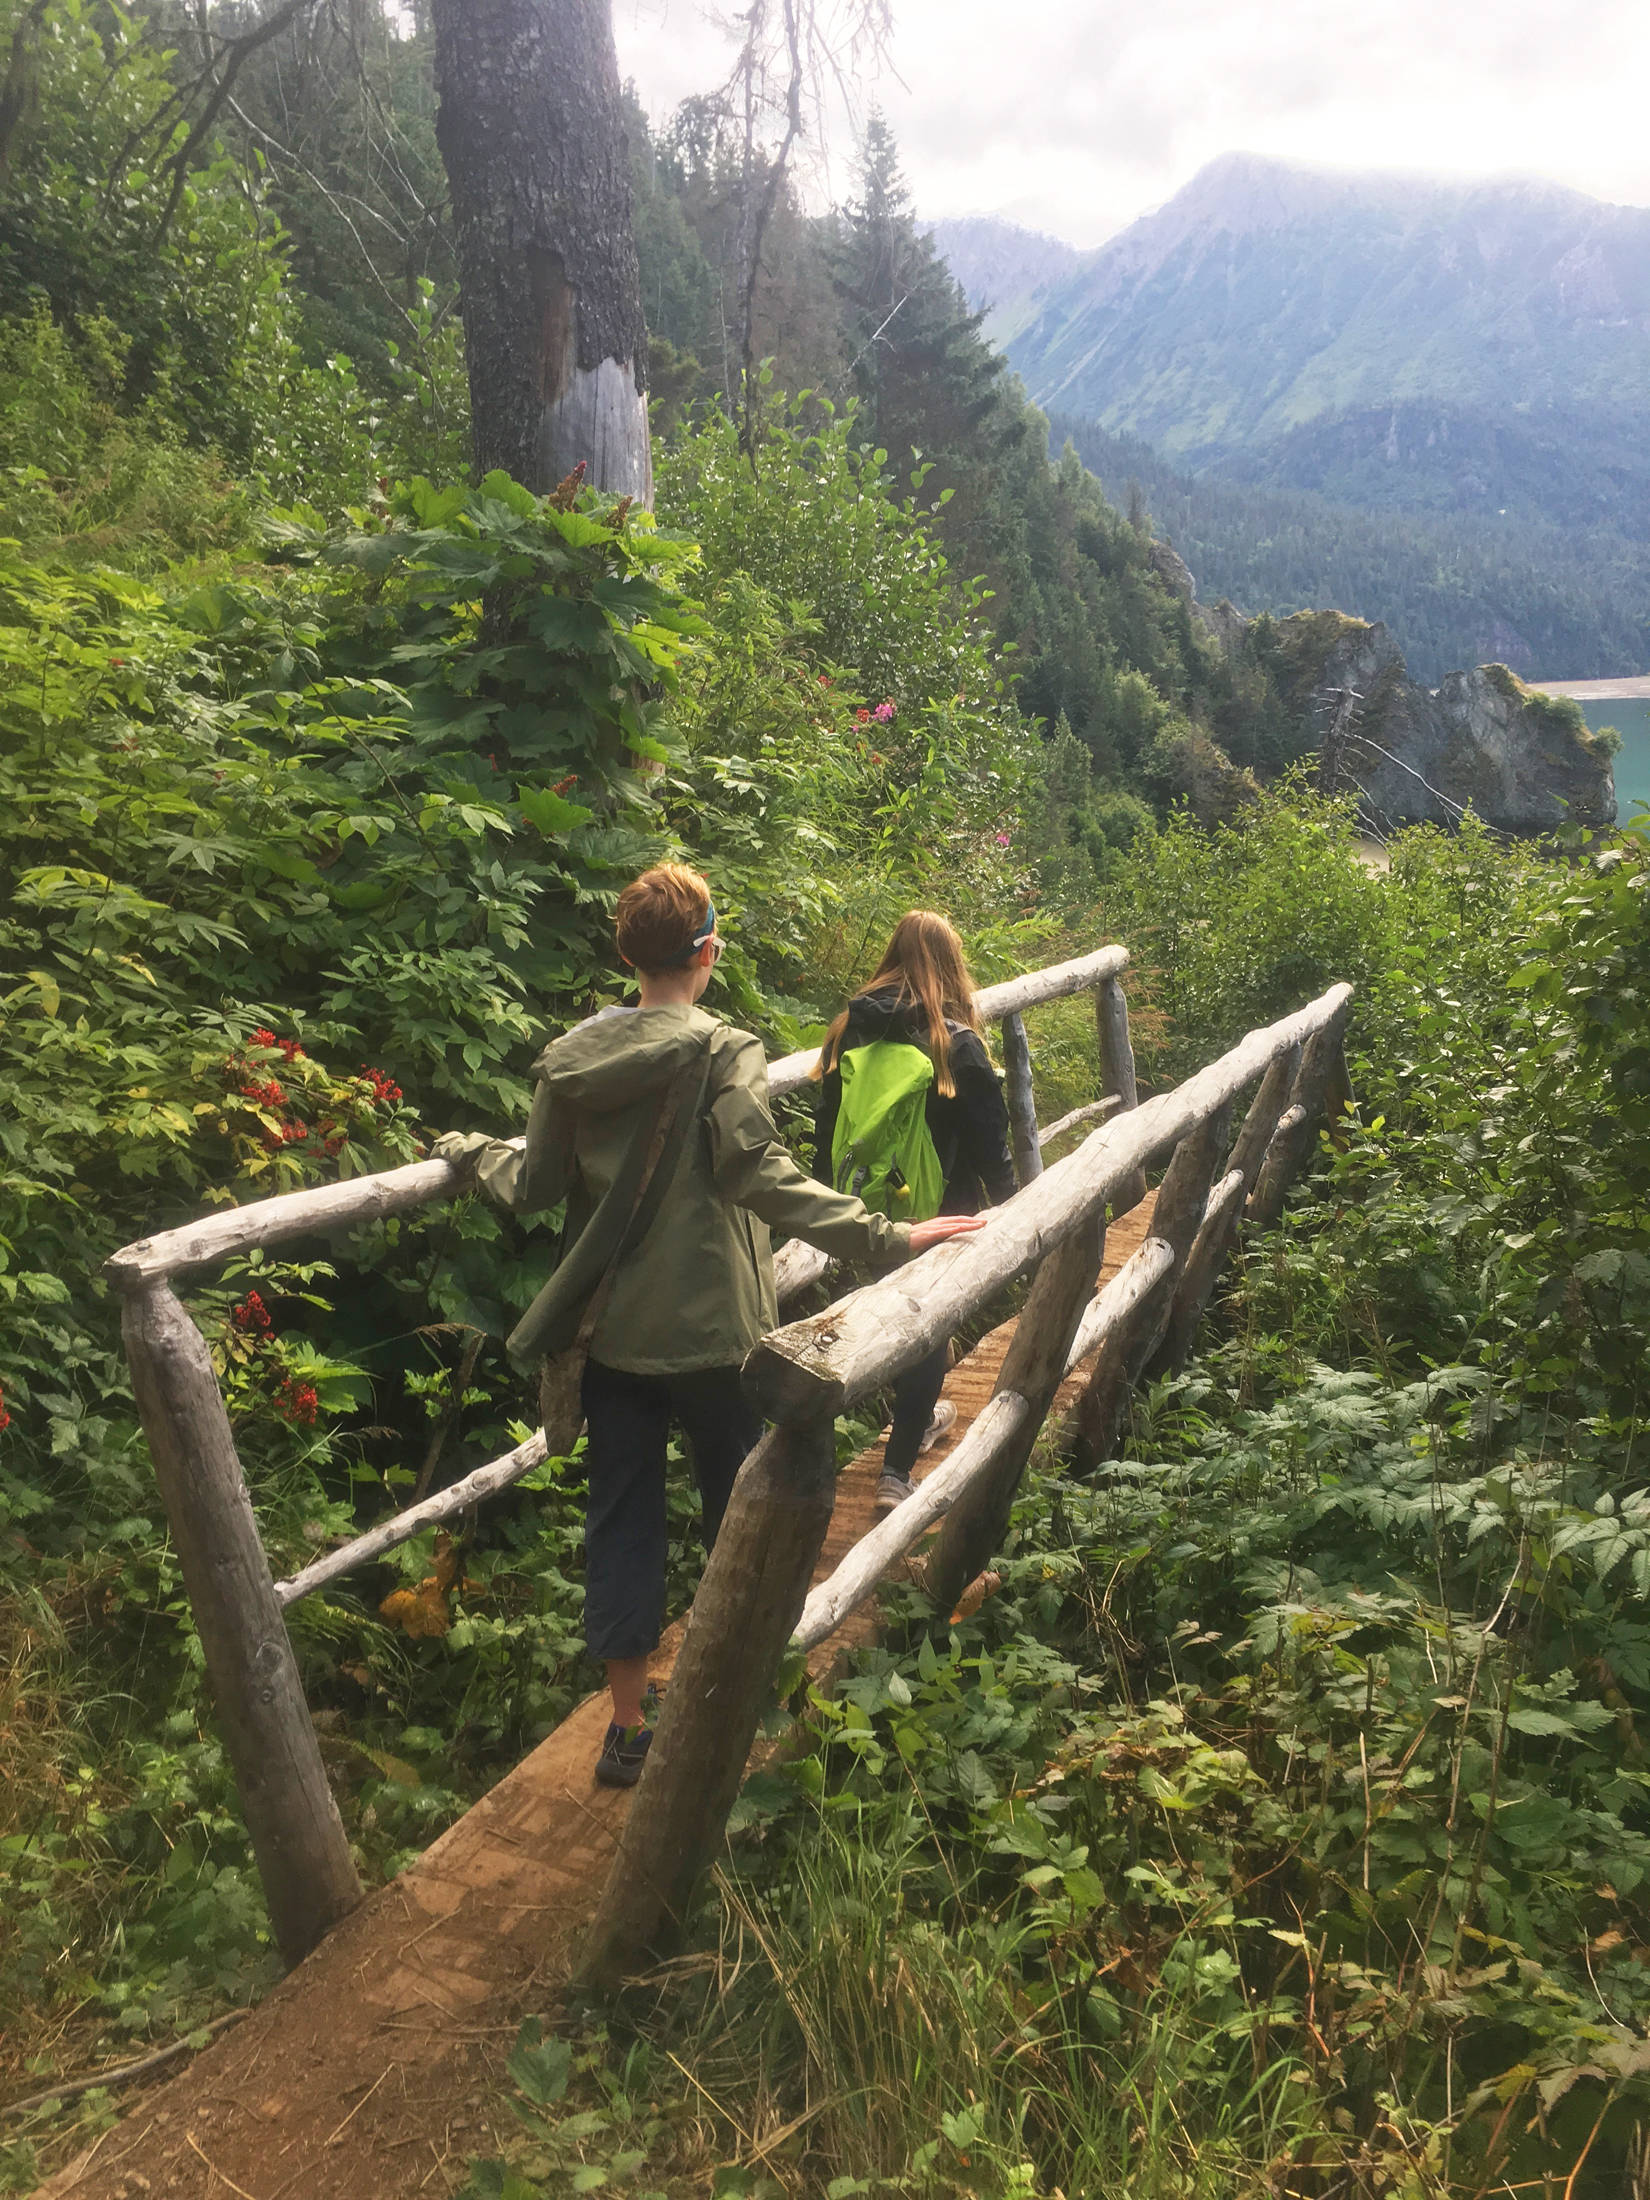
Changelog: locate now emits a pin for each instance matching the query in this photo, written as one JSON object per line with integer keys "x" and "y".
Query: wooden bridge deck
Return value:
{"x": 374, "y": 2070}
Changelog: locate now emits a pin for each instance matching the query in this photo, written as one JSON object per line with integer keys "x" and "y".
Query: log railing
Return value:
{"x": 297, "y": 1836}
{"x": 754, "y": 1598}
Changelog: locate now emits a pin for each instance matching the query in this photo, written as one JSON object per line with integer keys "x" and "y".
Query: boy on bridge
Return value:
{"x": 652, "y": 1122}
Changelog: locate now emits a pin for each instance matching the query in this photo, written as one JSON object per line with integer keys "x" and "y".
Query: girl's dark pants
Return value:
{"x": 916, "y": 1393}
{"x": 626, "y": 1538}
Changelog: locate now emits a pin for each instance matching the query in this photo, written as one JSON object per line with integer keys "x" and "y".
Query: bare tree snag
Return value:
{"x": 1033, "y": 1368}
{"x": 531, "y": 131}
{"x": 303, "y": 1856}
{"x": 1022, "y": 1104}
{"x": 749, "y": 1601}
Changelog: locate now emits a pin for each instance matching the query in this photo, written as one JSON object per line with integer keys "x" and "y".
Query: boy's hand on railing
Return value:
{"x": 463, "y": 1148}
{"x": 925, "y": 1234}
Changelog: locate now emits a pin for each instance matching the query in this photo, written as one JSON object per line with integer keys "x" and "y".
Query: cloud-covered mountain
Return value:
{"x": 1384, "y": 340}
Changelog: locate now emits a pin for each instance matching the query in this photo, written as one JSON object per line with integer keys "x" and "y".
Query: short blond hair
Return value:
{"x": 658, "y": 915}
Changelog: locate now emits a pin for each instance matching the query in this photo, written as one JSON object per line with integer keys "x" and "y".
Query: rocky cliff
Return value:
{"x": 1522, "y": 761}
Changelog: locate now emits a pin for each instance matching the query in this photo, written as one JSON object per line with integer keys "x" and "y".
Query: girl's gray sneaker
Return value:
{"x": 944, "y": 1416}
{"x": 892, "y": 1490}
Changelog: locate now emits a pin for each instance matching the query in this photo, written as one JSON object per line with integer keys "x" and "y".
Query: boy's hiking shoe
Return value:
{"x": 892, "y": 1490}
{"x": 624, "y": 1752}
{"x": 944, "y": 1416}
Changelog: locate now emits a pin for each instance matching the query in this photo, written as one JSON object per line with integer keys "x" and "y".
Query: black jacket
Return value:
{"x": 969, "y": 1130}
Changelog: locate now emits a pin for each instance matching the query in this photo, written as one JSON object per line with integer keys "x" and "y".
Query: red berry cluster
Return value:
{"x": 289, "y": 1048}
{"x": 297, "y": 1402}
{"x": 385, "y": 1091}
{"x": 566, "y": 786}
{"x": 251, "y": 1317}
{"x": 5, "y": 1417}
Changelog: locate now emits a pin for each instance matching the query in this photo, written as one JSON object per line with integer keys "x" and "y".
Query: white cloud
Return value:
{"x": 1079, "y": 115}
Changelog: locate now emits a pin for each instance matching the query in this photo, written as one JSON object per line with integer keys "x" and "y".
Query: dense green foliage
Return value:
{"x": 1281, "y": 1821}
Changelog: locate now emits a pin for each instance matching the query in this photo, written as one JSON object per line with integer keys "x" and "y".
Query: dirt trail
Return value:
{"x": 373, "y": 2072}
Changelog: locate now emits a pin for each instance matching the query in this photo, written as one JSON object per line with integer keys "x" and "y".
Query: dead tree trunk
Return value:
{"x": 532, "y": 134}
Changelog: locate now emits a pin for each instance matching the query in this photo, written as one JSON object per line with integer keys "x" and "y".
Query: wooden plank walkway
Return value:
{"x": 373, "y": 2072}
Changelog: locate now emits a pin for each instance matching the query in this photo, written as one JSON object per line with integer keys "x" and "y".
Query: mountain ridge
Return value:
{"x": 1268, "y": 300}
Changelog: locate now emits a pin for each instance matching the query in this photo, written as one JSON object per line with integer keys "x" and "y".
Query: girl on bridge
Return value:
{"x": 919, "y": 1005}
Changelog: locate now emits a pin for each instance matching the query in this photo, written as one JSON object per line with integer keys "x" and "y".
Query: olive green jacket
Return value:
{"x": 698, "y": 1291}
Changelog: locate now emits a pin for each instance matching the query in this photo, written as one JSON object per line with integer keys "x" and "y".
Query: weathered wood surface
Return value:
{"x": 430, "y": 1977}
{"x": 1197, "y": 1277}
{"x": 1322, "y": 1068}
{"x": 1182, "y": 1202}
{"x": 1091, "y": 1112}
{"x": 992, "y": 1003}
{"x": 825, "y": 1362}
{"x": 1033, "y": 1369}
{"x": 233, "y": 1230}
{"x": 1022, "y": 1101}
{"x": 1219, "y": 1227}
{"x": 743, "y": 1616}
{"x": 1117, "y": 1078}
{"x": 297, "y": 1836}
{"x": 458, "y": 1497}
{"x": 997, "y": 1425}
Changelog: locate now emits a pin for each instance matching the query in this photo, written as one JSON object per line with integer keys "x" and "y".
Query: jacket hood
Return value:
{"x": 621, "y": 1055}
{"x": 883, "y": 1015}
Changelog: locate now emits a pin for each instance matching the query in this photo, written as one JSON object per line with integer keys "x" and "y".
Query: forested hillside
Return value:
{"x": 1455, "y": 590}
{"x": 1280, "y": 1824}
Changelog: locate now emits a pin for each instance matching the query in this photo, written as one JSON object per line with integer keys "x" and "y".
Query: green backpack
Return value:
{"x": 882, "y": 1151}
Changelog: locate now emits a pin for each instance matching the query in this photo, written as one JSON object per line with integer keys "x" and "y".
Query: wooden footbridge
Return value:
{"x": 373, "y": 2068}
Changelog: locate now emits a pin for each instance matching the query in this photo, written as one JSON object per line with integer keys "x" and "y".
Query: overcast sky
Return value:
{"x": 1074, "y": 116}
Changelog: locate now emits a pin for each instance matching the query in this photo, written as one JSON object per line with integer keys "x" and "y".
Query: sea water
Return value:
{"x": 1631, "y": 719}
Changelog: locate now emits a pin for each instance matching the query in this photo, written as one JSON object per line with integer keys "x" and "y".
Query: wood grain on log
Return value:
{"x": 1117, "y": 1079}
{"x": 1220, "y": 1224}
{"x": 484, "y": 1482}
{"x": 345, "y": 1206}
{"x": 303, "y": 1857}
{"x": 748, "y": 1603}
{"x": 1321, "y": 1062}
{"x": 1177, "y": 1215}
{"x": 1091, "y": 1112}
{"x": 1022, "y": 1101}
{"x": 816, "y": 1366}
{"x": 1033, "y": 1369}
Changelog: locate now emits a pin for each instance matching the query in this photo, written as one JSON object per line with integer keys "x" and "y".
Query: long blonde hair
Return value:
{"x": 924, "y": 965}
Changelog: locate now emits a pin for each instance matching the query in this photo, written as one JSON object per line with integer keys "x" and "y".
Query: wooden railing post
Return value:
{"x": 1321, "y": 1081}
{"x": 749, "y": 1601}
{"x": 298, "y": 1838}
{"x": 1220, "y": 1224}
{"x": 1176, "y": 1219}
{"x": 1117, "y": 1081}
{"x": 1022, "y": 1104}
{"x": 1033, "y": 1368}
